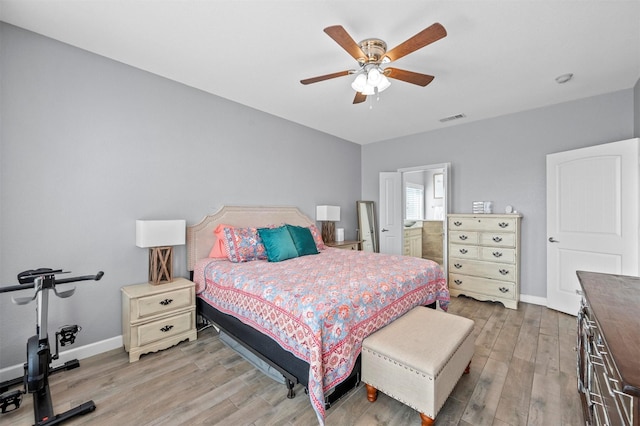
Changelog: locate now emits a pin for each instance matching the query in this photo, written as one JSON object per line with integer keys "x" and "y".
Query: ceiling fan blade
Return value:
{"x": 342, "y": 37}
{"x": 409, "y": 76}
{"x": 427, "y": 36}
{"x": 359, "y": 98}
{"x": 325, "y": 77}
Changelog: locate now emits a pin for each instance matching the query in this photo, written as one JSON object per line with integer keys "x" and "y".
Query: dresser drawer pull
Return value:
{"x": 464, "y": 251}
{"x": 497, "y": 239}
{"x": 166, "y": 302}
{"x": 459, "y": 282}
{"x": 457, "y": 265}
{"x": 463, "y": 237}
{"x": 503, "y": 224}
{"x": 503, "y": 290}
{"x": 504, "y": 271}
{"x": 457, "y": 223}
{"x": 497, "y": 254}
{"x": 166, "y": 328}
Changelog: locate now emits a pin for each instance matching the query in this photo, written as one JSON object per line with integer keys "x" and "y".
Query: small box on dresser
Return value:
{"x": 156, "y": 317}
{"x": 484, "y": 257}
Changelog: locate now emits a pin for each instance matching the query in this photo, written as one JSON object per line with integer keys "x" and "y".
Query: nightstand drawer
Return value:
{"x": 156, "y": 304}
{"x": 163, "y": 328}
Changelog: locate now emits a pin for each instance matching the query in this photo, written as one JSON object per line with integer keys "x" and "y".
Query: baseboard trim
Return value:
{"x": 81, "y": 352}
{"x": 534, "y": 300}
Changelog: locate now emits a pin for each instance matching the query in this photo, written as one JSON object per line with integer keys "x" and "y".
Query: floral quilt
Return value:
{"x": 321, "y": 307}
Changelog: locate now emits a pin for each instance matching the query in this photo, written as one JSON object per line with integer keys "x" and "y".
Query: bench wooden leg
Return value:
{"x": 372, "y": 393}
{"x": 426, "y": 420}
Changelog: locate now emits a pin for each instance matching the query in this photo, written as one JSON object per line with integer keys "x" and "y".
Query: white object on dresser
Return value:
{"x": 484, "y": 257}
{"x": 156, "y": 317}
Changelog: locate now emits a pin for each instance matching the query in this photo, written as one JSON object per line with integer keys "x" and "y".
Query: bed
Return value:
{"x": 305, "y": 317}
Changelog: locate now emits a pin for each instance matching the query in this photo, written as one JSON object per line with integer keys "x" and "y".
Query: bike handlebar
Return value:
{"x": 95, "y": 277}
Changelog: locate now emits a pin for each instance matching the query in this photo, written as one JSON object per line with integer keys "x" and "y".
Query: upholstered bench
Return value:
{"x": 418, "y": 359}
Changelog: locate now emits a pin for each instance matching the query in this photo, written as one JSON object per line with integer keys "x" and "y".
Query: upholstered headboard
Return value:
{"x": 200, "y": 236}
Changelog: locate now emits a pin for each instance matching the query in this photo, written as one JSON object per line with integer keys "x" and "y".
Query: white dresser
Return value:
{"x": 484, "y": 257}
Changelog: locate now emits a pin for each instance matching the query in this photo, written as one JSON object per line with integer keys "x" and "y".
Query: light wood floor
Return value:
{"x": 523, "y": 373}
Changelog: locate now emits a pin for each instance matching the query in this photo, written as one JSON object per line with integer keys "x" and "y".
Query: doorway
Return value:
{"x": 413, "y": 198}
{"x": 592, "y": 217}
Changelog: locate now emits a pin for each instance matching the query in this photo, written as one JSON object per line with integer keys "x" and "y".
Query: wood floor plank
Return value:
{"x": 522, "y": 373}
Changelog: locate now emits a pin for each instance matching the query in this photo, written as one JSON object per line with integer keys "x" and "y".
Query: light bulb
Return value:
{"x": 368, "y": 90}
{"x": 359, "y": 83}
{"x": 384, "y": 83}
{"x": 373, "y": 76}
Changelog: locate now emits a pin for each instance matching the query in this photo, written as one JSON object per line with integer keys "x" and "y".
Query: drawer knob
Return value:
{"x": 457, "y": 265}
{"x": 497, "y": 254}
{"x": 166, "y": 302}
{"x": 457, "y": 223}
{"x": 503, "y": 289}
{"x": 497, "y": 239}
{"x": 503, "y": 271}
{"x": 459, "y": 282}
{"x": 166, "y": 328}
{"x": 503, "y": 224}
{"x": 463, "y": 251}
{"x": 463, "y": 237}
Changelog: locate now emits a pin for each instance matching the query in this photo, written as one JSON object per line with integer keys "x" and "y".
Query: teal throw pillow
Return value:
{"x": 303, "y": 240}
{"x": 278, "y": 243}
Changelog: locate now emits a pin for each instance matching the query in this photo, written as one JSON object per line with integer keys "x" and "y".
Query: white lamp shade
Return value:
{"x": 328, "y": 213}
{"x": 160, "y": 233}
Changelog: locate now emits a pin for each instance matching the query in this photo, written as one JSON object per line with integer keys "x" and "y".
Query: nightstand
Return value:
{"x": 346, "y": 245}
{"x": 156, "y": 317}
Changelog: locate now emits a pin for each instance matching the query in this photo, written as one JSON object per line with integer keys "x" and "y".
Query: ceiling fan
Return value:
{"x": 371, "y": 54}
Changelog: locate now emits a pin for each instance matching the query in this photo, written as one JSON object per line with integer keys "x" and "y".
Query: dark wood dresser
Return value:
{"x": 609, "y": 348}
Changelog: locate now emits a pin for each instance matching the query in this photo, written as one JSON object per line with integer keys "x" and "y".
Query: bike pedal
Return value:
{"x": 10, "y": 398}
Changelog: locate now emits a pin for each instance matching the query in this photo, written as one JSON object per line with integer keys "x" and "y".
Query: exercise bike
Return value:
{"x": 38, "y": 366}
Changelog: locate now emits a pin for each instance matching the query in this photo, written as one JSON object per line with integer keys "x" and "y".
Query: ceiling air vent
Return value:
{"x": 452, "y": 117}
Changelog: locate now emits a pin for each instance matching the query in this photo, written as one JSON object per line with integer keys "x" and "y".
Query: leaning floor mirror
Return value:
{"x": 367, "y": 226}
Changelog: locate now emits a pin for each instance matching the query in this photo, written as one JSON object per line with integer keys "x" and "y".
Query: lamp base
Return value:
{"x": 328, "y": 232}
{"x": 160, "y": 265}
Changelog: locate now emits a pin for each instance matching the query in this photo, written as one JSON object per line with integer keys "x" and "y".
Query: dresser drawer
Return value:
{"x": 161, "y": 303}
{"x": 497, "y": 239}
{"x": 499, "y": 271}
{"x": 493, "y": 288}
{"x": 464, "y": 252}
{"x": 498, "y": 254}
{"x": 479, "y": 223}
{"x": 463, "y": 237}
{"x": 163, "y": 328}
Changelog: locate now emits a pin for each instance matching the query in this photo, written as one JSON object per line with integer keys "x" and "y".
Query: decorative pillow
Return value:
{"x": 243, "y": 244}
{"x": 303, "y": 240}
{"x": 317, "y": 237}
{"x": 278, "y": 243}
{"x": 218, "y": 250}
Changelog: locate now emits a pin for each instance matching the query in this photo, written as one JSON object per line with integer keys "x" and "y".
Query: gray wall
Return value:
{"x": 89, "y": 145}
{"x": 503, "y": 160}
{"x": 636, "y": 112}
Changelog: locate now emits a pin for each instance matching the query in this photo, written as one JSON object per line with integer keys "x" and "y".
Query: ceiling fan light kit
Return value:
{"x": 371, "y": 54}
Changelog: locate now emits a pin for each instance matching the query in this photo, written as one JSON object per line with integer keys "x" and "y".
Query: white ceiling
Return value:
{"x": 499, "y": 57}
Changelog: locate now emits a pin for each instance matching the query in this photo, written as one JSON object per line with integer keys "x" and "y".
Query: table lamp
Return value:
{"x": 160, "y": 236}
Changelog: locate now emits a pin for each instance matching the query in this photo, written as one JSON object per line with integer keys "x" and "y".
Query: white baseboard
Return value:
{"x": 85, "y": 351}
{"x": 534, "y": 300}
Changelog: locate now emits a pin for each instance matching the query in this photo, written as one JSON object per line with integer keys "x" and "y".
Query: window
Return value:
{"x": 414, "y": 196}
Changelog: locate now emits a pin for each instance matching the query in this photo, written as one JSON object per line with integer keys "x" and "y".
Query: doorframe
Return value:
{"x": 446, "y": 203}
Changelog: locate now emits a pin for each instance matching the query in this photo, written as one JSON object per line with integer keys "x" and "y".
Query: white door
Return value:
{"x": 592, "y": 217}
{"x": 391, "y": 218}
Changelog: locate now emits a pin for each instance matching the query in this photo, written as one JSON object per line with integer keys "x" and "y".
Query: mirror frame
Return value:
{"x": 369, "y": 208}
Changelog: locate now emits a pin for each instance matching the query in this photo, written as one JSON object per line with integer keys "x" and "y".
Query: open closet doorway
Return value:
{"x": 414, "y": 203}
